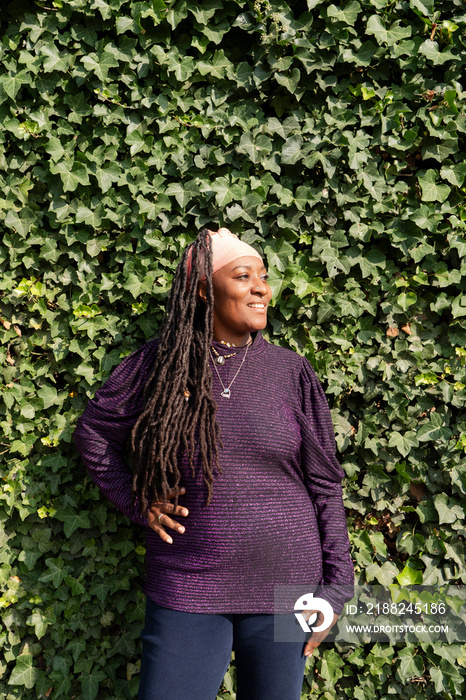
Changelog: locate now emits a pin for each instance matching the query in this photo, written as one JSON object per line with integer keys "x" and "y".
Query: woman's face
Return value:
{"x": 241, "y": 298}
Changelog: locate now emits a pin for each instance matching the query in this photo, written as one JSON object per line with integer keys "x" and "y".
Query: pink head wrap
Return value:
{"x": 226, "y": 247}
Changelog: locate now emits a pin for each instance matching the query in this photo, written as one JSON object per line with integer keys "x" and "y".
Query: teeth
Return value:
{"x": 257, "y": 306}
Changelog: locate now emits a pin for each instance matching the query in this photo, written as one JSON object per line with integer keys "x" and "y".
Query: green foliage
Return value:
{"x": 331, "y": 136}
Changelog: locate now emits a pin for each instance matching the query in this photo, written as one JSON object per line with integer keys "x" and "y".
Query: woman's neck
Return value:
{"x": 233, "y": 339}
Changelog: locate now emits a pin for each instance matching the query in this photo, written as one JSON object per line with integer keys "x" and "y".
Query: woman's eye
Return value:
{"x": 246, "y": 276}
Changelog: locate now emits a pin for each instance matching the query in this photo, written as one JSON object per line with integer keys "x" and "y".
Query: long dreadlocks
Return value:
{"x": 169, "y": 421}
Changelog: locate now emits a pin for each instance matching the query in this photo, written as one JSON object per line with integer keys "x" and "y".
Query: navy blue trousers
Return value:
{"x": 185, "y": 657}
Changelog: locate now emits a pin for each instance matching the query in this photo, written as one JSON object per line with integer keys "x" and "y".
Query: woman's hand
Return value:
{"x": 317, "y": 637}
{"x": 159, "y": 519}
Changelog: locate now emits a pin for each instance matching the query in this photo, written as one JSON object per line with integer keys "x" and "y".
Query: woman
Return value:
{"x": 237, "y": 433}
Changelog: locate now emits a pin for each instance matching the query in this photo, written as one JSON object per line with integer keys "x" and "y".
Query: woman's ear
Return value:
{"x": 201, "y": 293}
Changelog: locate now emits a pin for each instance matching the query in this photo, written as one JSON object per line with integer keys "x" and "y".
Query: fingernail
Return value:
{"x": 170, "y": 541}
{"x": 185, "y": 512}
{"x": 181, "y": 529}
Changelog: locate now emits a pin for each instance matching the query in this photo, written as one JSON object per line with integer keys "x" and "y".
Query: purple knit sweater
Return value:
{"x": 276, "y": 517}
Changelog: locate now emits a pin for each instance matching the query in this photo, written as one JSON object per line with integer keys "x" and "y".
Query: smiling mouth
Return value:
{"x": 259, "y": 305}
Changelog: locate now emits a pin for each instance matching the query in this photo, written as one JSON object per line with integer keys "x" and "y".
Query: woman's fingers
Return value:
{"x": 317, "y": 637}
{"x": 171, "y": 494}
{"x": 162, "y": 533}
{"x": 158, "y": 521}
{"x": 170, "y": 508}
{"x": 166, "y": 521}
{"x": 159, "y": 517}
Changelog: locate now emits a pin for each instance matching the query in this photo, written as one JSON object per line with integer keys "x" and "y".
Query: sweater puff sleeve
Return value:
{"x": 323, "y": 476}
{"x": 103, "y": 429}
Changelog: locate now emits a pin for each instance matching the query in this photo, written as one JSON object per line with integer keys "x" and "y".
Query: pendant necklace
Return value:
{"x": 220, "y": 359}
{"x": 226, "y": 393}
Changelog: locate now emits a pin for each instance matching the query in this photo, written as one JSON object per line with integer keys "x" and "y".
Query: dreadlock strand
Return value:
{"x": 167, "y": 422}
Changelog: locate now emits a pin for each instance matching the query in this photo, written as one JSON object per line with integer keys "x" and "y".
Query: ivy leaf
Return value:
{"x": 391, "y": 36}
{"x": 53, "y": 60}
{"x": 426, "y": 378}
{"x": 431, "y": 191}
{"x": 107, "y": 174}
{"x": 255, "y": 148}
{"x": 280, "y": 255}
{"x": 447, "y": 512}
{"x": 54, "y": 148}
{"x": 384, "y": 574}
{"x": 90, "y": 684}
{"x": 76, "y": 646}
{"x": 440, "y": 681}
{"x": 40, "y": 623}
{"x": 125, "y": 644}
{"x": 454, "y": 174}
{"x": 291, "y": 151}
{"x": 331, "y": 666}
{"x": 100, "y": 64}
{"x": 56, "y": 571}
{"x": 76, "y": 586}
{"x": 424, "y": 6}
{"x": 304, "y": 286}
{"x": 342, "y": 429}
{"x": 225, "y": 192}
{"x": 431, "y": 51}
{"x": 282, "y": 128}
{"x": 435, "y": 429}
{"x": 11, "y": 84}
{"x": 73, "y": 520}
{"x": 423, "y": 218}
{"x": 409, "y": 577}
{"x": 347, "y": 14}
{"x": 218, "y": 68}
{"x": 182, "y": 194}
{"x": 458, "y": 477}
{"x": 458, "y": 306}
{"x": 24, "y": 672}
{"x": 406, "y": 299}
{"x": 277, "y": 283}
{"x": 403, "y": 442}
{"x": 440, "y": 151}
{"x": 71, "y": 174}
{"x": 21, "y": 221}
{"x": 410, "y": 666}
{"x": 27, "y": 410}
{"x": 133, "y": 284}
{"x": 138, "y": 141}
{"x": 100, "y": 589}
{"x": 88, "y": 216}
{"x": 373, "y": 258}
{"x": 290, "y": 80}
{"x": 126, "y": 24}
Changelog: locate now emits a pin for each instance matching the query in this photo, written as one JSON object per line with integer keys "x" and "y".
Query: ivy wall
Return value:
{"x": 331, "y": 137}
